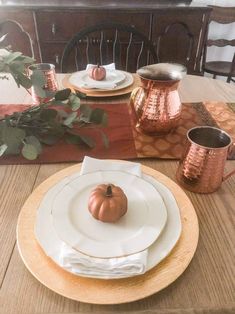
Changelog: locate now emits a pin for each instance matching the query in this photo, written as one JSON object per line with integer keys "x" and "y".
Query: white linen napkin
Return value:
{"x": 104, "y": 84}
{"x": 81, "y": 264}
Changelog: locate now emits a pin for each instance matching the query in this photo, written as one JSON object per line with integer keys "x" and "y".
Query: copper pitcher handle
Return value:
{"x": 132, "y": 100}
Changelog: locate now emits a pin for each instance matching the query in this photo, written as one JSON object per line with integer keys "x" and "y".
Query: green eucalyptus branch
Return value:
{"x": 59, "y": 118}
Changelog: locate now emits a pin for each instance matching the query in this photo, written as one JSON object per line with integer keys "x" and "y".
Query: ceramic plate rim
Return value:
{"x": 126, "y": 82}
{"x": 154, "y": 258}
{"x": 154, "y": 224}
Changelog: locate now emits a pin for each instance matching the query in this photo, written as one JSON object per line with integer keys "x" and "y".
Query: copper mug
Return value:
{"x": 201, "y": 168}
{"x": 156, "y": 104}
{"x": 46, "y": 73}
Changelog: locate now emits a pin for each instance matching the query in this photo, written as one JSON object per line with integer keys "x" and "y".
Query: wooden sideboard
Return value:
{"x": 41, "y": 30}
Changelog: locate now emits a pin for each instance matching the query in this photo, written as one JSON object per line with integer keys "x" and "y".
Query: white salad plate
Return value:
{"x": 51, "y": 243}
{"x": 133, "y": 232}
{"x": 114, "y": 80}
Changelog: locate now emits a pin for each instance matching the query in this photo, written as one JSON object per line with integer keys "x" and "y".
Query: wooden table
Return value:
{"x": 207, "y": 285}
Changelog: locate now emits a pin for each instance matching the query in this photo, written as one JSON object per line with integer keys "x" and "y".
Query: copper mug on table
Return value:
{"x": 46, "y": 73}
{"x": 201, "y": 168}
{"x": 156, "y": 104}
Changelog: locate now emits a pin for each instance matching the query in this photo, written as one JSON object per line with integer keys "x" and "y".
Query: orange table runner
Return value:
{"x": 127, "y": 142}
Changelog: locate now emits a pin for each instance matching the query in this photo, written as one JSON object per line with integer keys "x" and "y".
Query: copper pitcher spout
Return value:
{"x": 156, "y": 103}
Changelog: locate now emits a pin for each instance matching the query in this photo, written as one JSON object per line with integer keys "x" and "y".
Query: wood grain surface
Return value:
{"x": 206, "y": 287}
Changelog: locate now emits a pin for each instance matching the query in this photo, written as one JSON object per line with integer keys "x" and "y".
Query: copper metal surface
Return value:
{"x": 157, "y": 106}
{"x": 202, "y": 165}
{"x": 156, "y": 103}
{"x": 51, "y": 84}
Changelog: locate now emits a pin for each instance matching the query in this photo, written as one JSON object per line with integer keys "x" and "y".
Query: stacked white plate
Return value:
{"x": 114, "y": 80}
{"x": 152, "y": 222}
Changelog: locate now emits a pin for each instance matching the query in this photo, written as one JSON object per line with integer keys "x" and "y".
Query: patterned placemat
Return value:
{"x": 216, "y": 114}
{"x": 127, "y": 142}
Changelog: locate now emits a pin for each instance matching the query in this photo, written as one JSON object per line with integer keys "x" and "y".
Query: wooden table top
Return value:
{"x": 207, "y": 285}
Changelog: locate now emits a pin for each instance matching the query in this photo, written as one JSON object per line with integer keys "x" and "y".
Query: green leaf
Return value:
{"x": 23, "y": 80}
{"x": 105, "y": 139}
{"x": 57, "y": 103}
{"x": 3, "y": 37}
{"x": 29, "y": 152}
{"x": 32, "y": 140}
{"x": 98, "y": 116}
{"x": 11, "y": 57}
{"x": 63, "y": 94}
{"x": 71, "y": 117}
{"x": 17, "y": 67}
{"x": 87, "y": 140}
{"x": 3, "y": 148}
{"x": 25, "y": 59}
{"x": 49, "y": 139}
{"x": 63, "y": 114}
{"x": 74, "y": 102}
{"x": 80, "y": 95}
{"x": 73, "y": 139}
{"x": 57, "y": 128}
{"x": 12, "y": 137}
{"x": 85, "y": 110}
{"x": 78, "y": 139}
{"x": 48, "y": 114}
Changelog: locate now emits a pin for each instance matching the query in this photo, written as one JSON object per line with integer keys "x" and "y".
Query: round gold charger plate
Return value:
{"x": 95, "y": 93}
{"x": 112, "y": 291}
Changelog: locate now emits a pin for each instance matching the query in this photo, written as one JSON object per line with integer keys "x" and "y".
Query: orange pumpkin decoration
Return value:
{"x": 97, "y": 73}
{"x": 107, "y": 203}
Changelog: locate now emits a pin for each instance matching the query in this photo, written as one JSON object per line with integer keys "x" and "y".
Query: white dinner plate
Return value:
{"x": 51, "y": 243}
{"x": 134, "y": 232}
{"x": 114, "y": 80}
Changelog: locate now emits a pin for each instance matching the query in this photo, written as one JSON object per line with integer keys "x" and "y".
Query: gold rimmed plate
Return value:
{"x": 175, "y": 255}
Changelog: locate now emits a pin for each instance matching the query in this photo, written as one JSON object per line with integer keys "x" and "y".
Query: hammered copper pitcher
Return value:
{"x": 201, "y": 168}
{"x": 156, "y": 103}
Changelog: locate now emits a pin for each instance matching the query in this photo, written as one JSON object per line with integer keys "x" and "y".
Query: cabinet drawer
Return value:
{"x": 52, "y": 53}
{"x": 61, "y": 26}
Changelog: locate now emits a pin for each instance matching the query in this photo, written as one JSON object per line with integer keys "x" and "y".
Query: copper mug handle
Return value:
{"x": 228, "y": 175}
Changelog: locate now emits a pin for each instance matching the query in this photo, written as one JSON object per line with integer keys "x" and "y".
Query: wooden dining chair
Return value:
{"x": 222, "y": 15}
{"x": 11, "y": 30}
{"x": 105, "y": 43}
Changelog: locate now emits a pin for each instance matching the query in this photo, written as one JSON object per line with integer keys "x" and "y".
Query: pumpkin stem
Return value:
{"x": 109, "y": 191}
{"x": 98, "y": 65}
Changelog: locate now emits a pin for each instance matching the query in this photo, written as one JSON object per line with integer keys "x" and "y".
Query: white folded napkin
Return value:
{"x": 120, "y": 267}
{"x": 104, "y": 84}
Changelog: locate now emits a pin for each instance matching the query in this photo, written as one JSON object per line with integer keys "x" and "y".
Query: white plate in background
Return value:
{"x": 115, "y": 80}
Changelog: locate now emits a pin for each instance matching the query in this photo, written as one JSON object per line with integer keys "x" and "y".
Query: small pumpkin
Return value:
{"x": 97, "y": 73}
{"x": 107, "y": 203}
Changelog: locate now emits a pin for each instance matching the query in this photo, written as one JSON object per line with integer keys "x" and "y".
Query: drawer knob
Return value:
{"x": 57, "y": 59}
{"x": 53, "y": 28}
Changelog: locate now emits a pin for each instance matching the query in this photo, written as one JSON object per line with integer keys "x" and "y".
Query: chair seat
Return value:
{"x": 222, "y": 68}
